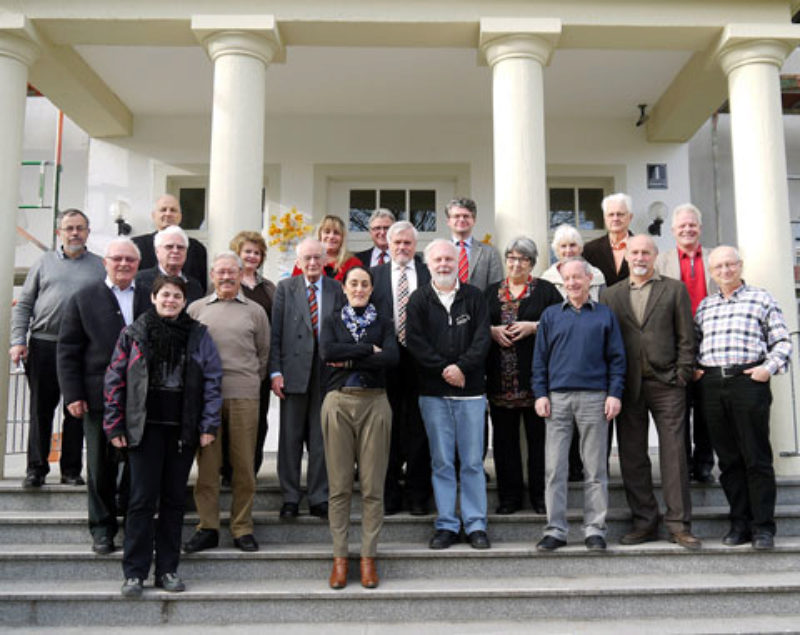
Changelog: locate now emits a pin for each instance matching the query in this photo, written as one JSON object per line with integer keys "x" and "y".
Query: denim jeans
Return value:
{"x": 586, "y": 408}
{"x": 457, "y": 424}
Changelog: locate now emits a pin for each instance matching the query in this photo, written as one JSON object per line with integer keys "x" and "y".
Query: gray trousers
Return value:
{"x": 585, "y": 407}
{"x": 300, "y": 424}
{"x": 357, "y": 427}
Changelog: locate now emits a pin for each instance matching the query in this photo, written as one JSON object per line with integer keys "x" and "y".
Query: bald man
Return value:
{"x": 655, "y": 317}
{"x": 167, "y": 212}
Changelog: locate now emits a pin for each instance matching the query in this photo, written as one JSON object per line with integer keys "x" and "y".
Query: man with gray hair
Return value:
{"x": 687, "y": 262}
{"x": 167, "y": 213}
{"x": 394, "y": 283}
{"x": 35, "y": 320}
{"x": 578, "y": 374}
{"x": 240, "y": 330}
{"x": 301, "y": 304}
{"x": 379, "y": 224}
{"x": 607, "y": 253}
{"x": 448, "y": 336}
{"x": 171, "y": 248}
{"x": 93, "y": 319}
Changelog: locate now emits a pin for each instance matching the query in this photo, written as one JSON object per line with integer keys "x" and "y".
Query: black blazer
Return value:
{"x": 90, "y": 326}
{"x": 530, "y": 310}
{"x": 382, "y": 296}
{"x": 145, "y": 279}
{"x": 196, "y": 265}
{"x": 598, "y": 253}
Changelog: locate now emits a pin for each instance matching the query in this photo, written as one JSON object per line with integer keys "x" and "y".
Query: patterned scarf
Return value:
{"x": 357, "y": 324}
{"x": 512, "y": 393}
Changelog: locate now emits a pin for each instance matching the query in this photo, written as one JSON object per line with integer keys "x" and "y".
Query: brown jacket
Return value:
{"x": 665, "y": 339}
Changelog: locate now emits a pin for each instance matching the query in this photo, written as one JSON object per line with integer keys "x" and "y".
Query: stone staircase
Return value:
{"x": 49, "y": 576}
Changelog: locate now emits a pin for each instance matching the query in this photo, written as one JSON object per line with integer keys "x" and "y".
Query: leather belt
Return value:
{"x": 729, "y": 371}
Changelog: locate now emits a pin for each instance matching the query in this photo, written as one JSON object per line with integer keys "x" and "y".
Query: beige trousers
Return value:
{"x": 356, "y": 427}
{"x": 240, "y": 423}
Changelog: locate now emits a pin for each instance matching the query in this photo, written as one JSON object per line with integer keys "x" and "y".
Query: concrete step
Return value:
{"x": 268, "y": 496}
{"x": 404, "y": 561}
{"x": 444, "y": 599}
{"x": 58, "y": 527}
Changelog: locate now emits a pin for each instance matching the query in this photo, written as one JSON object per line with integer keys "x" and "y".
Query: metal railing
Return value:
{"x": 792, "y": 361}
{"x": 17, "y": 420}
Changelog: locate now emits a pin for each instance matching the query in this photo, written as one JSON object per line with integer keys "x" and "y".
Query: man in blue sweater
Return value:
{"x": 578, "y": 373}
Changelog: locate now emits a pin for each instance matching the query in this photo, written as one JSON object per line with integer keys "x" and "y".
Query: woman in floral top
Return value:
{"x": 515, "y": 305}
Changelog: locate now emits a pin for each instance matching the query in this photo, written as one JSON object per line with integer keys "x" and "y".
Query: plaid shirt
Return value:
{"x": 747, "y": 327}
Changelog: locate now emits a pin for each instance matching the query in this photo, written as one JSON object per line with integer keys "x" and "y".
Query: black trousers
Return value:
{"x": 702, "y": 458}
{"x": 159, "y": 470}
{"x": 737, "y": 412}
{"x": 45, "y": 394}
{"x": 102, "y": 463}
{"x": 409, "y": 444}
{"x": 507, "y": 455}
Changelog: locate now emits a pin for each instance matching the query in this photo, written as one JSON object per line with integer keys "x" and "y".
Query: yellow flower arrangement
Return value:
{"x": 487, "y": 239}
{"x": 287, "y": 230}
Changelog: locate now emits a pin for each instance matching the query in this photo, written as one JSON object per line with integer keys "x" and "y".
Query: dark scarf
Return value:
{"x": 166, "y": 340}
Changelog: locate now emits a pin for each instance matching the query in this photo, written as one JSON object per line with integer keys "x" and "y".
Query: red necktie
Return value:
{"x": 381, "y": 258}
{"x": 313, "y": 309}
{"x": 463, "y": 262}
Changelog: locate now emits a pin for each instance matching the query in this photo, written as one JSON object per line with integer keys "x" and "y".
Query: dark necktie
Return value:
{"x": 313, "y": 308}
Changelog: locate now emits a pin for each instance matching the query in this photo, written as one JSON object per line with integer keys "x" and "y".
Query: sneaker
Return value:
{"x": 132, "y": 588}
{"x": 170, "y": 582}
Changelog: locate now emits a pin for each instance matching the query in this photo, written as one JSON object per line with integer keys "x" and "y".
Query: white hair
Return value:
{"x": 618, "y": 197}
{"x": 227, "y": 255}
{"x": 401, "y": 226}
{"x": 165, "y": 233}
{"x": 687, "y": 207}
{"x": 438, "y": 243}
{"x": 566, "y": 233}
{"x": 307, "y": 241}
{"x": 122, "y": 240}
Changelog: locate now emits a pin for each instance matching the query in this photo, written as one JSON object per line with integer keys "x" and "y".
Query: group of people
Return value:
{"x": 385, "y": 365}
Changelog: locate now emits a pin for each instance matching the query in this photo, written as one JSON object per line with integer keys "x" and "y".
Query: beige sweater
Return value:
{"x": 240, "y": 330}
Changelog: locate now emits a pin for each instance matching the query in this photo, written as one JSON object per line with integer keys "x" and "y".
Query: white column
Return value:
{"x": 17, "y": 53}
{"x": 762, "y": 198}
{"x": 240, "y": 48}
{"x": 520, "y": 191}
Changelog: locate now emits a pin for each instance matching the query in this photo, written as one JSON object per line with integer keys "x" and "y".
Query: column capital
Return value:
{"x": 18, "y": 39}
{"x": 742, "y": 44}
{"x": 531, "y": 38}
{"x": 251, "y": 35}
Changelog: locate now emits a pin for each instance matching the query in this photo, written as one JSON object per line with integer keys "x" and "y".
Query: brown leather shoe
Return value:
{"x": 338, "y": 578}
{"x": 686, "y": 539}
{"x": 638, "y": 536}
{"x": 369, "y": 574}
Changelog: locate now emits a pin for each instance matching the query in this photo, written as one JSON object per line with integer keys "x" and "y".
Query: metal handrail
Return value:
{"x": 796, "y": 451}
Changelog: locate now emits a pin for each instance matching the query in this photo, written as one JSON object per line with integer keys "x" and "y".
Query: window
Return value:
{"x": 415, "y": 205}
{"x": 576, "y": 206}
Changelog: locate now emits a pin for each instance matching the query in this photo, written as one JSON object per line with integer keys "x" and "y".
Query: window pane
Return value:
{"x": 362, "y": 204}
{"x": 562, "y": 206}
{"x": 193, "y": 206}
{"x": 590, "y": 215}
{"x": 422, "y": 210}
{"x": 395, "y": 202}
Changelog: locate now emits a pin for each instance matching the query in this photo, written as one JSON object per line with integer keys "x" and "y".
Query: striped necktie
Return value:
{"x": 402, "y": 302}
{"x": 313, "y": 308}
{"x": 463, "y": 262}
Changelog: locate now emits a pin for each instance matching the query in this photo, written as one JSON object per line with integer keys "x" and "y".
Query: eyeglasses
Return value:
{"x": 226, "y": 272}
{"x": 74, "y": 228}
{"x": 379, "y": 228}
{"x": 517, "y": 259}
{"x": 726, "y": 265}
{"x": 122, "y": 258}
{"x": 172, "y": 247}
{"x": 311, "y": 257}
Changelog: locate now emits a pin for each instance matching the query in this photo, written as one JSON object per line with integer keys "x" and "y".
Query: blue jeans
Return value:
{"x": 457, "y": 424}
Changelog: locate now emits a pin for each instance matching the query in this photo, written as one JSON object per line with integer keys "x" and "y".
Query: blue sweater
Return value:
{"x": 578, "y": 351}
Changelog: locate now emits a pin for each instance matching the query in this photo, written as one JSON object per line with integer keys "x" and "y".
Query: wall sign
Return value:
{"x": 656, "y": 176}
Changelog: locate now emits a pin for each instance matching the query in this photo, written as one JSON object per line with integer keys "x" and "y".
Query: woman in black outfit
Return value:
{"x": 357, "y": 344}
{"x": 515, "y": 304}
{"x": 162, "y": 399}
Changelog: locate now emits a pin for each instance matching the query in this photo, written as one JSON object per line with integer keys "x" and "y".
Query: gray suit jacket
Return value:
{"x": 292, "y": 347}
{"x": 485, "y": 267}
{"x": 667, "y": 264}
{"x": 665, "y": 338}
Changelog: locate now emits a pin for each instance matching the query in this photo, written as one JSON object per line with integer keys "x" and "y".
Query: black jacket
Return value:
{"x": 146, "y": 277}
{"x": 437, "y": 339}
{"x": 530, "y": 309}
{"x": 196, "y": 259}
{"x": 336, "y": 344}
{"x": 90, "y": 326}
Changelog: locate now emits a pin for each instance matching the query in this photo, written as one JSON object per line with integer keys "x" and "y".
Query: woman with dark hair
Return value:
{"x": 357, "y": 344}
{"x": 515, "y": 304}
{"x": 251, "y": 247}
{"x": 331, "y": 232}
{"x": 162, "y": 399}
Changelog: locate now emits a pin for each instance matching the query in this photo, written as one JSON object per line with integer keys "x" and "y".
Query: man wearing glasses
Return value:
{"x": 742, "y": 341}
{"x": 379, "y": 224}
{"x": 171, "y": 249}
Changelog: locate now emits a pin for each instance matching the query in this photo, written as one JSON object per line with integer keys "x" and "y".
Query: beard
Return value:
{"x": 444, "y": 280}
{"x": 639, "y": 271}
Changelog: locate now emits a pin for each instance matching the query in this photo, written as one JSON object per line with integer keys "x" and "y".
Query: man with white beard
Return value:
{"x": 448, "y": 336}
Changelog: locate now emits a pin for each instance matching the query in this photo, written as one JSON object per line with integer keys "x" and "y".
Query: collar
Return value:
{"x": 737, "y": 292}
{"x": 437, "y": 291}
{"x": 62, "y": 254}
{"x": 467, "y": 241}
{"x": 566, "y": 304}
{"x": 396, "y": 266}
{"x": 163, "y": 272}
{"x": 113, "y": 287}
{"x": 317, "y": 284}
{"x": 620, "y": 244}
{"x": 652, "y": 278}
{"x": 698, "y": 253}
{"x": 215, "y": 298}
